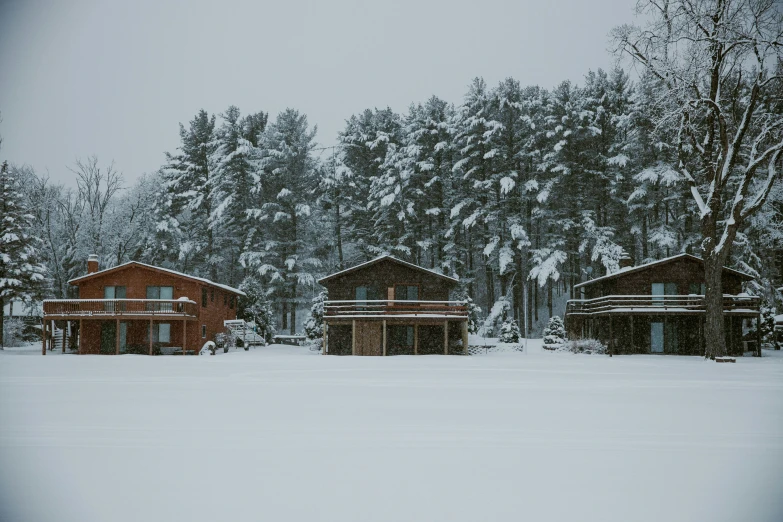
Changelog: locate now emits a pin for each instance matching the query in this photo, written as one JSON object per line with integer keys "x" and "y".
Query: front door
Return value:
{"x": 656, "y": 337}
{"x": 369, "y": 338}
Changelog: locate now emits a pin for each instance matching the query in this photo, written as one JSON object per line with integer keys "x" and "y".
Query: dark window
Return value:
{"x": 366, "y": 293}
{"x": 406, "y": 293}
{"x": 160, "y": 292}
{"x": 401, "y": 335}
{"x": 697, "y": 288}
{"x": 204, "y": 297}
{"x": 225, "y": 299}
{"x": 231, "y": 302}
{"x": 204, "y": 330}
{"x": 212, "y": 295}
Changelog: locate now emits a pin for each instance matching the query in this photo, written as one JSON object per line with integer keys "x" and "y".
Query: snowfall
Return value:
{"x": 283, "y": 433}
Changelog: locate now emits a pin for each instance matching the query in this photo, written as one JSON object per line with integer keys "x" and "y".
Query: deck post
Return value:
{"x": 731, "y": 334}
{"x": 384, "y": 337}
{"x": 80, "y": 336}
{"x": 65, "y": 334}
{"x": 758, "y": 335}
{"x": 611, "y": 336}
{"x": 465, "y": 340}
{"x": 632, "y": 345}
{"x": 150, "y": 336}
{"x": 184, "y": 336}
{"x": 323, "y": 348}
{"x": 353, "y": 337}
{"x": 43, "y": 337}
{"x": 51, "y": 342}
{"x": 446, "y": 337}
{"x": 415, "y": 338}
{"x": 117, "y": 338}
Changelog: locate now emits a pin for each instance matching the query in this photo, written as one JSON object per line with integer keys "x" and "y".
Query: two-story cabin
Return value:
{"x": 391, "y": 307}
{"x": 139, "y": 308}
{"x": 659, "y": 308}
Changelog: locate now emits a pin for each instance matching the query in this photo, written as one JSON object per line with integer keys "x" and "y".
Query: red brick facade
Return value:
{"x": 221, "y": 305}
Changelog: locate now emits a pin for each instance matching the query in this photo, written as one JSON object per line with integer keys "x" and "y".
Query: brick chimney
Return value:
{"x": 92, "y": 264}
{"x": 626, "y": 262}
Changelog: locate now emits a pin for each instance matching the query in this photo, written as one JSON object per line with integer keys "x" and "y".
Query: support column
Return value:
{"x": 758, "y": 335}
{"x": 150, "y": 336}
{"x": 117, "y": 338}
{"x": 323, "y": 348}
{"x": 80, "y": 336}
{"x": 415, "y": 338}
{"x": 65, "y": 334}
{"x": 184, "y": 336}
{"x": 611, "y": 336}
{"x": 384, "y": 337}
{"x": 446, "y": 337}
{"x": 465, "y": 338}
{"x": 731, "y": 333}
{"x": 353, "y": 337}
{"x": 51, "y": 339}
{"x": 632, "y": 345}
{"x": 43, "y": 337}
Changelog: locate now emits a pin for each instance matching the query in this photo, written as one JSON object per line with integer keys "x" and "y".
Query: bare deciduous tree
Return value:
{"x": 716, "y": 62}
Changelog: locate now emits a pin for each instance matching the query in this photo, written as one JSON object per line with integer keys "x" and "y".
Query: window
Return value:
{"x": 161, "y": 333}
{"x": 203, "y": 297}
{"x": 697, "y": 288}
{"x": 661, "y": 289}
{"x": 231, "y": 302}
{"x": 366, "y": 293}
{"x": 114, "y": 292}
{"x": 203, "y": 331}
{"x": 406, "y": 293}
{"x": 160, "y": 292}
{"x": 212, "y": 295}
{"x": 225, "y": 299}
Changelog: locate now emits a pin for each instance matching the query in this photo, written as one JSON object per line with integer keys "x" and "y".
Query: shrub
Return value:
{"x": 509, "y": 332}
{"x": 314, "y": 325}
{"x": 13, "y": 329}
{"x": 554, "y": 333}
{"x": 587, "y": 346}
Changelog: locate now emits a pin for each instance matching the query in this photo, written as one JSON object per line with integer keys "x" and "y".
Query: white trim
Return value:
{"x": 173, "y": 272}
{"x": 392, "y": 258}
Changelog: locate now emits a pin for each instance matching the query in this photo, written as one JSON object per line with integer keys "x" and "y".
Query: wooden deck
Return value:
{"x": 660, "y": 305}
{"x": 127, "y": 309}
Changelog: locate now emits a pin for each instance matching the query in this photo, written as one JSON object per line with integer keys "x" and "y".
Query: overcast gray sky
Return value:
{"x": 115, "y": 78}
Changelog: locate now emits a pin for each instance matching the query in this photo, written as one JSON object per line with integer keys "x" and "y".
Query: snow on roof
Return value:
{"x": 626, "y": 270}
{"x": 391, "y": 258}
{"x": 173, "y": 272}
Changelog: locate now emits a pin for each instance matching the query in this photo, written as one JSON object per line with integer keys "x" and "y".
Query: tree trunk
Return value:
{"x": 714, "y": 327}
{"x": 2, "y": 320}
{"x": 339, "y": 231}
{"x": 293, "y": 309}
{"x": 284, "y": 318}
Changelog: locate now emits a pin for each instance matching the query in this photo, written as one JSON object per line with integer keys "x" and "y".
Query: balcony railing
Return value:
{"x": 654, "y": 304}
{"x": 119, "y": 307}
{"x": 388, "y": 308}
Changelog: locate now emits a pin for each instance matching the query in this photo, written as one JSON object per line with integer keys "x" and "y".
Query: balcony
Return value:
{"x": 390, "y": 309}
{"x": 660, "y": 304}
{"x": 119, "y": 308}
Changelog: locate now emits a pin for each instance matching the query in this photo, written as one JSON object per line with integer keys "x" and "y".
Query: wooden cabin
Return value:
{"x": 140, "y": 308}
{"x": 659, "y": 307}
{"x": 391, "y": 307}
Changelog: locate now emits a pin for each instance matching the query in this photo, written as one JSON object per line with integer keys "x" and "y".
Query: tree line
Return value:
{"x": 520, "y": 191}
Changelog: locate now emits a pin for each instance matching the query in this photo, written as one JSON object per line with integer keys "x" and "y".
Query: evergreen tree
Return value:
{"x": 22, "y": 277}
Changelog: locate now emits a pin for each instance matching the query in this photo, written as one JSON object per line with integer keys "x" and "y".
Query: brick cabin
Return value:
{"x": 659, "y": 307}
{"x": 140, "y": 308}
{"x": 388, "y": 306}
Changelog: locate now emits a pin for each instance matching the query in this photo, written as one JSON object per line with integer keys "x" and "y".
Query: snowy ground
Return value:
{"x": 282, "y": 433}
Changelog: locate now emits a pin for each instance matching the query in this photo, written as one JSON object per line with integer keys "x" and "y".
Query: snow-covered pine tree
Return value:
{"x": 554, "y": 333}
{"x": 22, "y": 277}
{"x": 284, "y": 194}
{"x": 509, "y": 332}
{"x": 314, "y": 325}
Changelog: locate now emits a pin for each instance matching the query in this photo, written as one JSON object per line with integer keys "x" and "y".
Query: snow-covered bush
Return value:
{"x": 13, "y": 332}
{"x": 509, "y": 332}
{"x": 474, "y": 311}
{"x": 554, "y": 333}
{"x": 314, "y": 325}
{"x": 256, "y": 308}
{"x": 587, "y": 346}
{"x": 500, "y": 310}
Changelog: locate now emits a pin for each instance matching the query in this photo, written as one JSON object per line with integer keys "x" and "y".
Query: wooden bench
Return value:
{"x": 725, "y": 359}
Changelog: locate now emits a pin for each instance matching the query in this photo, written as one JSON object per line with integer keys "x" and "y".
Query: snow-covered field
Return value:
{"x": 281, "y": 433}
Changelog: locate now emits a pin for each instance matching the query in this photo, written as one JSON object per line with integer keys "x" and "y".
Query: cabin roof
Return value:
{"x": 388, "y": 258}
{"x": 623, "y": 271}
{"x": 130, "y": 264}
